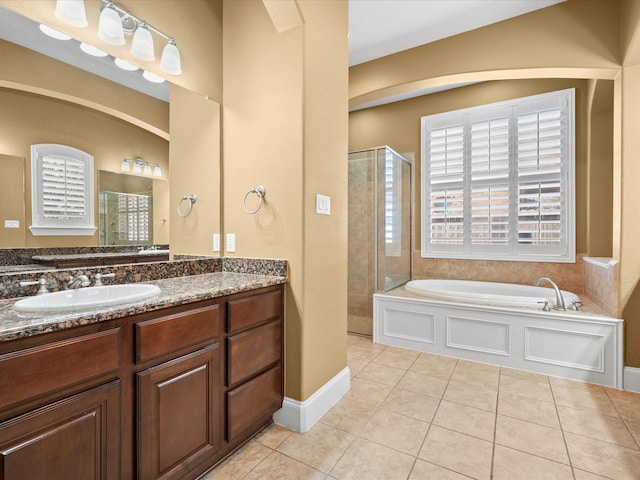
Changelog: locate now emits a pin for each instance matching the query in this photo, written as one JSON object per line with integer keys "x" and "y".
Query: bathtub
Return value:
{"x": 501, "y": 324}
{"x": 490, "y": 293}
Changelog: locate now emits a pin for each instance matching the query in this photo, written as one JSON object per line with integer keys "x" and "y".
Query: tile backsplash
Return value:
{"x": 568, "y": 276}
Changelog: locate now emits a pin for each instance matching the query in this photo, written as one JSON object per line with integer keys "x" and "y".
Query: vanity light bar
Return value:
{"x": 140, "y": 167}
{"x": 114, "y": 23}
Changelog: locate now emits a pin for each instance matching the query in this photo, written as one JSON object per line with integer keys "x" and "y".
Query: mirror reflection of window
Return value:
{"x": 126, "y": 209}
{"x": 62, "y": 190}
{"x": 125, "y": 218}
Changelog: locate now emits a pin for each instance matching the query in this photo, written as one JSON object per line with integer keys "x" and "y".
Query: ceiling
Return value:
{"x": 376, "y": 28}
{"x": 381, "y": 27}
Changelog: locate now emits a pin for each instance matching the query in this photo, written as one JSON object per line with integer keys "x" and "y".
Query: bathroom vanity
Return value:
{"x": 164, "y": 389}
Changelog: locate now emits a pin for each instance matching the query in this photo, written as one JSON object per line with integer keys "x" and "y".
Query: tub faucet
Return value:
{"x": 559, "y": 300}
{"x": 79, "y": 281}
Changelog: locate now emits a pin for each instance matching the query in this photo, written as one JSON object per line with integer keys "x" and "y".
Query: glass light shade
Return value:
{"x": 110, "y": 27}
{"x": 53, "y": 33}
{"x": 137, "y": 167}
{"x": 152, "y": 77}
{"x": 125, "y": 167}
{"x": 91, "y": 50}
{"x": 170, "y": 60}
{"x": 125, "y": 65}
{"x": 147, "y": 169}
{"x": 142, "y": 44}
{"x": 72, "y": 12}
{"x": 157, "y": 171}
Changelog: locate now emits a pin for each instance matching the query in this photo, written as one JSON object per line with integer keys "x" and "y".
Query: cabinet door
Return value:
{"x": 77, "y": 438}
{"x": 178, "y": 415}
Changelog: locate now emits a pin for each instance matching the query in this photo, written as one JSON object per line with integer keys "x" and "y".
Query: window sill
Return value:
{"x": 63, "y": 231}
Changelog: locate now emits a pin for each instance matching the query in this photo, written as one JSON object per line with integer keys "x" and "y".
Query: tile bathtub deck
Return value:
{"x": 419, "y": 416}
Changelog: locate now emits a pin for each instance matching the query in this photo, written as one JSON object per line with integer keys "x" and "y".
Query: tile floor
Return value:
{"x": 419, "y": 416}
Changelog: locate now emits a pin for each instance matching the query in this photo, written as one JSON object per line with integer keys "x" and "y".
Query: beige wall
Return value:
{"x": 630, "y": 179}
{"x": 576, "y": 38}
{"x": 285, "y": 127}
{"x": 11, "y": 206}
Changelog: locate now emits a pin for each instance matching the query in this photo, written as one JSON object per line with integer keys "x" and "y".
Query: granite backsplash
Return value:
{"x": 140, "y": 272}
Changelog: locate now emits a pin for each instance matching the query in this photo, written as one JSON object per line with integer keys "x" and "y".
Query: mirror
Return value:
{"x": 114, "y": 123}
{"x": 133, "y": 210}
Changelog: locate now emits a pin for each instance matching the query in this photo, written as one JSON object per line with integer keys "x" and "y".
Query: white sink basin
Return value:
{"x": 87, "y": 298}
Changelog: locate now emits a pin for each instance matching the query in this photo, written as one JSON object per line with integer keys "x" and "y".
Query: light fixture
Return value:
{"x": 110, "y": 26}
{"x": 53, "y": 33}
{"x": 170, "y": 60}
{"x": 152, "y": 77}
{"x": 142, "y": 44}
{"x": 72, "y": 12}
{"x": 114, "y": 23}
{"x": 125, "y": 65}
{"x": 140, "y": 167}
{"x": 91, "y": 50}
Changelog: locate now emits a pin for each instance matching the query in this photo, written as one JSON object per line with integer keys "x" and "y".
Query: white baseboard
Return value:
{"x": 301, "y": 416}
{"x": 631, "y": 380}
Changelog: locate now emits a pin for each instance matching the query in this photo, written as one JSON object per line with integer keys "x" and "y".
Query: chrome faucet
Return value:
{"x": 79, "y": 281}
{"x": 559, "y": 300}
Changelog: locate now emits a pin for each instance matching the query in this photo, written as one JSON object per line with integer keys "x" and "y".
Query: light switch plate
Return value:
{"x": 12, "y": 224}
{"x": 216, "y": 242}
{"x": 231, "y": 242}
{"x": 323, "y": 204}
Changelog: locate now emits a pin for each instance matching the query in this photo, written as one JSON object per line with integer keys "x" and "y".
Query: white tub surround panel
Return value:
{"x": 568, "y": 344}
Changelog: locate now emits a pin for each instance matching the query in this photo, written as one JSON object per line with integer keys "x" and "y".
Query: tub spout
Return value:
{"x": 559, "y": 300}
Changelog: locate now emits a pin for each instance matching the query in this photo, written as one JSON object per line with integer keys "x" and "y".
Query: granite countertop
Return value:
{"x": 49, "y": 258}
{"x": 174, "y": 291}
{"x": 23, "y": 268}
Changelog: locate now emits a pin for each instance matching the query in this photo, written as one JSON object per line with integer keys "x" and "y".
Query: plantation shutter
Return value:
{"x": 498, "y": 181}
{"x": 63, "y": 188}
{"x": 540, "y": 177}
{"x": 62, "y": 191}
{"x": 489, "y": 158}
{"x": 446, "y": 186}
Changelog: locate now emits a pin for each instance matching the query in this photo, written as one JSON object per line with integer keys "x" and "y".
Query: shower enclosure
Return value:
{"x": 125, "y": 218}
{"x": 379, "y": 230}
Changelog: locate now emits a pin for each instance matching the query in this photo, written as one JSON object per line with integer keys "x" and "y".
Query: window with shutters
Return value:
{"x": 61, "y": 191}
{"x": 392, "y": 205}
{"x": 498, "y": 181}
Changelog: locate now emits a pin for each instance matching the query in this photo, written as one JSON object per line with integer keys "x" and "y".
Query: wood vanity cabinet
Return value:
{"x": 178, "y": 400}
{"x": 61, "y": 408}
{"x": 165, "y": 394}
{"x": 254, "y": 386}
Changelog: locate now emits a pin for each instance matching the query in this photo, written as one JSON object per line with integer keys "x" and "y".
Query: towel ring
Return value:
{"x": 260, "y": 191}
{"x": 191, "y": 199}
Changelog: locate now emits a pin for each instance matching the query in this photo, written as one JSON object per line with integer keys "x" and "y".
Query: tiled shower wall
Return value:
{"x": 361, "y": 247}
{"x": 600, "y": 283}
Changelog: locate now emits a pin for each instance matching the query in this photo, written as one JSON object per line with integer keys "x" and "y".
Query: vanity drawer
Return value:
{"x": 169, "y": 333}
{"x": 39, "y": 370}
{"x": 249, "y": 311}
{"x": 253, "y": 401}
{"x": 254, "y": 350}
